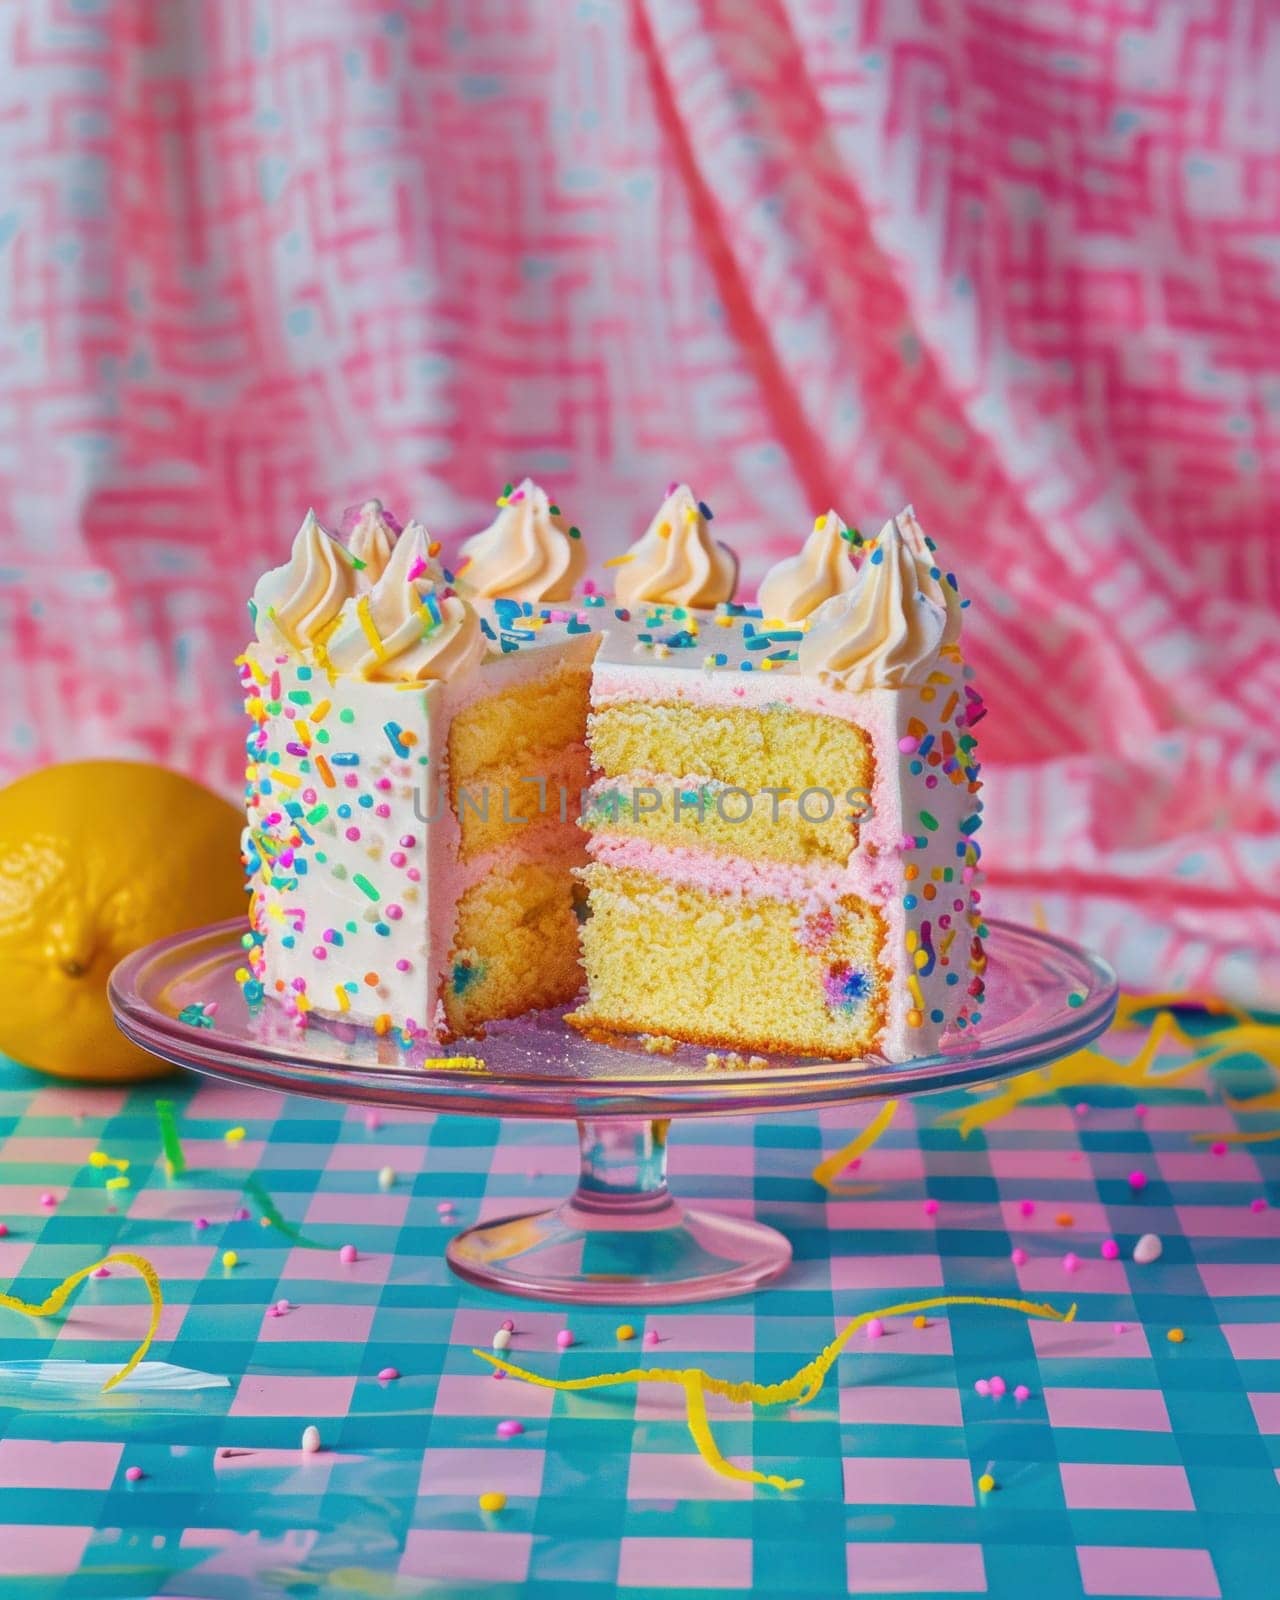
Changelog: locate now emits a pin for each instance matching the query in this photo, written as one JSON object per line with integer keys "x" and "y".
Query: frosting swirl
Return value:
{"x": 526, "y": 553}
{"x": 933, "y": 581}
{"x": 408, "y": 628}
{"x": 823, "y": 567}
{"x": 371, "y": 538}
{"x": 885, "y": 632}
{"x": 675, "y": 562}
{"x": 298, "y": 601}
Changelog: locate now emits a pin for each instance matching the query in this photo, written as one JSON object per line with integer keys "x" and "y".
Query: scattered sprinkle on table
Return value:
{"x": 1064, "y": 1219}
{"x": 233, "y": 1135}
{"x": 919, "y": 1322}
{"x": 1021, "y": 1393}
{"x": 388, "y": 1375}
{"x": 1018, "y": 1256}
{"x": 651, "y": 1338}
{"x": 1027, "y": 1207}
{"x": 386, "y": 1177}
{"x": 986, "y": 1483}
{"x": 310, "y": 1440}
{"x": 133, "y": 1474}
{"x": 348, "y": 1253}
{"x": 1137, "y": 1180}
{"x": 564, "y": 1338}
{"x": 998, "y": 1386}
{"x": 1110, "y": 1250}
{"x": 1149, "y": 1248}
{"x": 1071, "y": 1262}
{"x": 875, "y": 1329}
{"x": 492, "y": 1500}
{"x": 509, "y": 1429}
{"x": 931, "y": 1208}
{"x": 624, "y": 1331}
{"x": 230, "y": 1258}
{"x": 501, "y": 1339}
{"x": 1175, "y": 1336}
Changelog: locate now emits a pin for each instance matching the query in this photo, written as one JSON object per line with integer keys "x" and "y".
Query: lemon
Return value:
{"x": 96, "y": 859}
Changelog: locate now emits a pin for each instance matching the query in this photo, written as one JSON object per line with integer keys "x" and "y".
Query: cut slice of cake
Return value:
{"x": 782, "y": 845}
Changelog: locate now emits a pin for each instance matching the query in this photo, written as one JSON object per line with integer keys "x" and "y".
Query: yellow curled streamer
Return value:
{"x": 830, "y": 1167}
{"x": 799, "y": 1389}
{"x": 57, "y": 1298}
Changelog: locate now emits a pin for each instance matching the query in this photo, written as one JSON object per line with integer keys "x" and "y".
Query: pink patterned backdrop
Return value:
{"x": 1017, "y": 261}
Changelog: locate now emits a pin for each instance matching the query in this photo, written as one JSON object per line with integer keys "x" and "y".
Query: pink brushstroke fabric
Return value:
{"x": 1015, "y": 261}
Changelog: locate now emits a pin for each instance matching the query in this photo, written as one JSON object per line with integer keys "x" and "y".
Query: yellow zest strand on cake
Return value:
{"x": 828, "y": 1170}
{"x": 57, "y": 1298}
{"x": 801, "y": 1388}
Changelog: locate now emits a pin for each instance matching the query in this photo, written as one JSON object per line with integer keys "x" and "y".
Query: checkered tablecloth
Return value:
{"x": 1137, "y": 1467}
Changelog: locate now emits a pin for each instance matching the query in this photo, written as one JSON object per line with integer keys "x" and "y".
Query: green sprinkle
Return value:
{"x": 317, "y": 813}
{"x": 346, "y": 715}
{"x": 167, "y": 1119}
{"x": 554, "y": 510}
{"x": 575, "y": 533}
{"x": 365, "y": 887}
{"x": 356, "y": 562}
{"x": 300, "y": 697}
{"x": 929, "y": 820}
{"x": 507, "y": 488}
{"x": 1075, "y": 1000}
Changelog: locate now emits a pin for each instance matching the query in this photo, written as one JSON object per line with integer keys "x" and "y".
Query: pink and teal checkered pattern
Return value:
{"x": 1014, "y": 260}
{"x": 1137, "y": 1467}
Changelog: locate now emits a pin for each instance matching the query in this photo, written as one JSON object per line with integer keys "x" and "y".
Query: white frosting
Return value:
{"x": 675, "y": 561}
{"x": 370, "y": 542}
{"x": 407, "y": 628}
{"x": 823, "y": 567}
{"x": 294, "y": 604}
{"x": 885, "y": 632}
{"x": 527, "y": 552}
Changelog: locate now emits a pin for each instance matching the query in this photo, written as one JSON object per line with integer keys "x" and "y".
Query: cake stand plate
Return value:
{"x": 621, "y": 1238}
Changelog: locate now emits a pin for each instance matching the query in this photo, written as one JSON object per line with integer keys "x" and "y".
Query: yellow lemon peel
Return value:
{"x": 828, "y": 1170}
{"x": 57, "y": 1298}
{"x": 1081, "y": 1069}
{"x": 797, "y": 1390}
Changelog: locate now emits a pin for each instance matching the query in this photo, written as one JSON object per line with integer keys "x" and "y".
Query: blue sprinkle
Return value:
{"x": 345, "y": 758}
{"x": 392, "y": 731}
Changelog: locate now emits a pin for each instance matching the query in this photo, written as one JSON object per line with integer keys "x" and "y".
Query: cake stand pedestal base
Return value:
{"x": 621, "y": 1238}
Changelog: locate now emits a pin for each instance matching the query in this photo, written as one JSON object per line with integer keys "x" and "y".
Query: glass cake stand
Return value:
{"x": 621, "y": 1238}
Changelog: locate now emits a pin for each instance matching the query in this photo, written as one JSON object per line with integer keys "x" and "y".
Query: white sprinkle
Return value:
{"x": 1148, "y": 1249}
{"x": 386, "y": 1178}
{"x": 501, "y": 1339}
{"x": 310, "y": 1440}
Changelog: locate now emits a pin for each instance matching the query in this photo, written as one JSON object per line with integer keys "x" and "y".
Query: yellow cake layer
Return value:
{"x": 730, "y": 971}
{"x": 496, "y": 806}
{"x": 515, "y": 945}
{"x": 665, "y": 810}
{"x": 520, "y": 724}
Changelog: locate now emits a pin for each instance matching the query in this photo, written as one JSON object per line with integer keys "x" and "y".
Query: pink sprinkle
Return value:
{"x": 372, "y": 1121}
{"x": 931, "y": 1208}
{"x": 397, "y": 858}
{"x": 241, "y": 1214}
{"x": 273, "y": 1311}
{"x": 1070, "y": 1262}
{"x": 1027, "y": 1207}
{"x": 200, "y": 1224}
{"x": 983, "y": 1386}
{"x": 1119, "y": 1327}
{"x": 282, "y": 1306}
{"x": 413, "y": 874}
{"x": 1110, "y": 1250}
{"x": 1218, "y": 1148}
{"x": 394, "y": 913}
{"x": 1139, "y": 1111}
{"x": 417, "y": 569}
{"x": 498, "y": 1372}
{"x": 402, "y": 965}
{"x": 998, "y": 1387}
{"x": 651, "y": 1338}
{"x": 875, "y": 1329}
{"x": 564, "y": 1338}
{"x": 1137, "y": 1180}
{"x": 383, "y": 810}
{"x": 444, "y": 1207}
{"x": 508, "y": 1325}
{"x": 101, "y": 1272}
{"x": 4, "y": 1230}
{"x": 387, "y": 1375}
{"x": 509, "y": 1429}
{"x": 48, "y": 1199}
{"x": 407, "y": 841}
{"x": 347, "y": 1253}
{"x": 908, "y": 745}
{"x": 1021, "y": 1393}
{"x": 1018, "y": 1256}
{"x": 133, "y": 1473}
{"x": 1258, "y": 1204}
